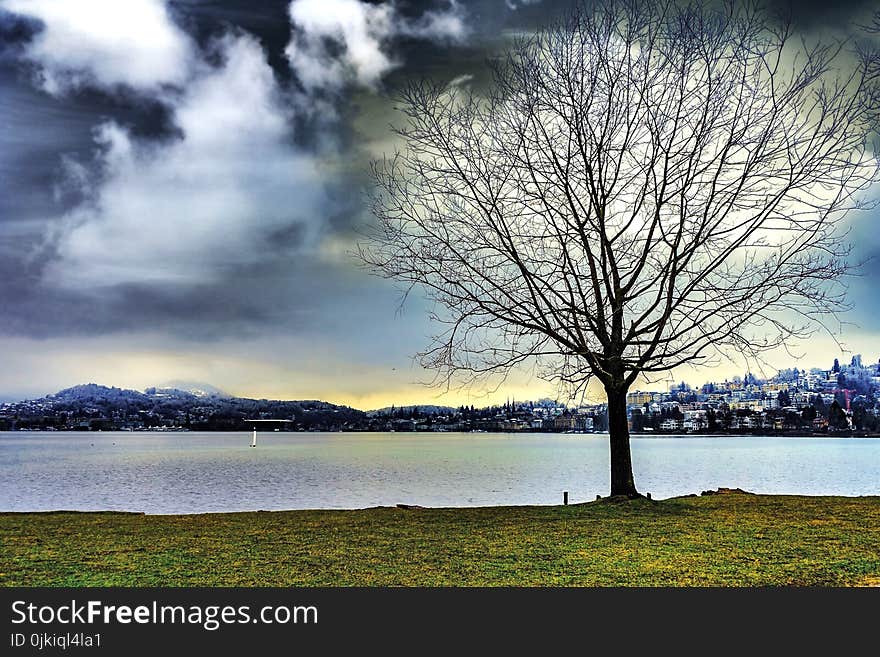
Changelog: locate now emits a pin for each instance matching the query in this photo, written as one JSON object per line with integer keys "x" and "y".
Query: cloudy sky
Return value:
{"x": 181, "y": 182}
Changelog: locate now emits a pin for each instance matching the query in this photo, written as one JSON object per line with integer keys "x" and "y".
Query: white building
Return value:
{"x": 671, "y": 424}
{"x": 695, "y": 420}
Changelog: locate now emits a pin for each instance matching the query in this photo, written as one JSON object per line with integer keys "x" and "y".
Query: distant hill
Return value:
{"x": 90, "y": 392}
{"x": 202, "y": 407}
{"x": 193, "y": 387}
{"x": 427, "y": 409}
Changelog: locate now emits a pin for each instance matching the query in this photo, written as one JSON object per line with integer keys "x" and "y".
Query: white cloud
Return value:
{"x": 231, "y": 188}
{"x": 228, "y": 190}
{"x": 461, "y": 81}
{"x": 105, "y": 43}
{"x": 339, "y": 42}
{"x": 516, "y": 4}
{"x": 446, "y": 25}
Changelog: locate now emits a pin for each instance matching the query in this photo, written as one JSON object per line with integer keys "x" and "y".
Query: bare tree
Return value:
{"x": 644, "y": 185}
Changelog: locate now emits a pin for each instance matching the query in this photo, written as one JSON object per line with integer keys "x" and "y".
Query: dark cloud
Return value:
{"x": 304, "y": 295}
{"x": 818, "y": 14}
{"x": 280, "y": 289}
{"x": 40, "y": 133}
{"x": 864, "y": 292}
{"x": 208, "y": 19}
{"x": 36, "y": 134}
{"x": 15, "y": 31}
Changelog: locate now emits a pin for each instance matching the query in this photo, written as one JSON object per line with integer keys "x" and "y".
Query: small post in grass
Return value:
{"x": 565, "y": 497}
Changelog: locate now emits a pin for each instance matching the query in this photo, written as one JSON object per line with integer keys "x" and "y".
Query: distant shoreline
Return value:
{"x": 633, "y": 434}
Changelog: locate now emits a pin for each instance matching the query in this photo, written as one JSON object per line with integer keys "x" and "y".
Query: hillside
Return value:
{"x": 423, "y": 409}
{"x": 91, "y": 406}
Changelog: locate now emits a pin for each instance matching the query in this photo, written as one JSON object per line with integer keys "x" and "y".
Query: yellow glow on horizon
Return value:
{"x": 33, "y": 368}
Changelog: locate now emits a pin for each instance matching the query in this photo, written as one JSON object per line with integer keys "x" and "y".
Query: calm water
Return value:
{"x": 200, "y": 472}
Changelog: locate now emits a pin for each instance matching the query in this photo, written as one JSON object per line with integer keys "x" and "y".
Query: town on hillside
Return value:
{"x": 842, "y": 399}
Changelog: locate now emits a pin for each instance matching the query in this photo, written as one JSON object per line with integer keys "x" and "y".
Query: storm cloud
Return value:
{"x": 222, "y": 193}
{"x": 229, "y": 186}
{"x": 195, "y": 171}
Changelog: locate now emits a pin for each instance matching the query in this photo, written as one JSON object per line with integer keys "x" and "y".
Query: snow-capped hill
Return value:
{"x": 196, "y": 389}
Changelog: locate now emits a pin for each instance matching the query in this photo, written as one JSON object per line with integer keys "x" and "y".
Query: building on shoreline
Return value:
{"x": 841, "y": 399}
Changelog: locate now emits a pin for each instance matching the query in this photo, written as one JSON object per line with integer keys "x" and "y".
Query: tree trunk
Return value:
{"x": 622, "y": 482}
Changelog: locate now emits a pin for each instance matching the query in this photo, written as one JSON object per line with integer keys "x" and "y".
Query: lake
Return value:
{"x": 207, "y": 472}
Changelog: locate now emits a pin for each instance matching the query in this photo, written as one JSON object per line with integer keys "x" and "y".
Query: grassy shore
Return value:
{"x": 727, "y": 540}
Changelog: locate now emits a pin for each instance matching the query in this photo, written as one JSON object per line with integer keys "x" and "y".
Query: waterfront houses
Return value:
{"x": 841, "y": 399}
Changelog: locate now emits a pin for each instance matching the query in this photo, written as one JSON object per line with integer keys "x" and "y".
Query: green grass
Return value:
{"x": 726, "y": 540}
